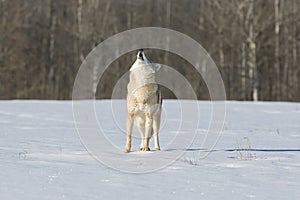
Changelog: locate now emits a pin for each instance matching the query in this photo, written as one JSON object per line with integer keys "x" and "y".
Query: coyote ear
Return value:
{"x": 157, "y": 66}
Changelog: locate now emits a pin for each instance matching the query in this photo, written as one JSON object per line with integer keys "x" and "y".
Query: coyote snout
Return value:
{"x": 143, "y": 102}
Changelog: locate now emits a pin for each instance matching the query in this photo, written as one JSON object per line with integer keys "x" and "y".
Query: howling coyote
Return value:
{"x": 143, "y": 102}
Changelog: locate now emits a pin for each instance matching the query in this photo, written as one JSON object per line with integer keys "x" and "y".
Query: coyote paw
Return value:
{"x": 127, "y": 150}
{"x": 144, "y": 149}
{"x": 157, "y": 148}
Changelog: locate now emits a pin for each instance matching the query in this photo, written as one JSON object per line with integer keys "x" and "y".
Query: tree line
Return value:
{"x": 254, "y": 43}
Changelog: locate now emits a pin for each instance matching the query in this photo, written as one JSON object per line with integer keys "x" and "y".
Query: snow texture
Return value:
{"x": 256, "y": 157}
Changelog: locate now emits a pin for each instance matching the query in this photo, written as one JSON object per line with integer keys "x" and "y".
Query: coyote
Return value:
{"x": 143, "y": 102}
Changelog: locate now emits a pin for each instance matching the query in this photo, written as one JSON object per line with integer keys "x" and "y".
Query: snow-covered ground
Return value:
{"x": 42, "y": 157}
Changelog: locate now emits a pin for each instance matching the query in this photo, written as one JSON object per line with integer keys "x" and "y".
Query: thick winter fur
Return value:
{"x": 143, "y": 102}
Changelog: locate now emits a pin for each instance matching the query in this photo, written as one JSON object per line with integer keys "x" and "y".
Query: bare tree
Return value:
{"x": 278, "y": 17}
{"x": 252, "y": 51}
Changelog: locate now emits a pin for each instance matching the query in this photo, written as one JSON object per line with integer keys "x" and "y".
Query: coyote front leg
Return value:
{"x": 148, "y": 132}
{"x": 129, "y": 124}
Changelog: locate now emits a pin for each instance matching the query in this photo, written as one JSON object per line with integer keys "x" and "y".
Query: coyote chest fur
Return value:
{"x": 143, "y": 102}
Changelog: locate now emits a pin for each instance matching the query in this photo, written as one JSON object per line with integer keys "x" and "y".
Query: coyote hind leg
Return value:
{"x": 156, "y": 124}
